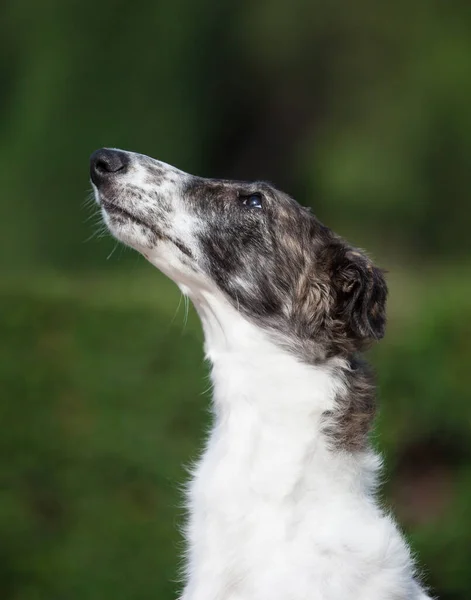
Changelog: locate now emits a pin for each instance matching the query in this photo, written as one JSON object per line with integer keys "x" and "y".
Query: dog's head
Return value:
{"x": 270, "y": 257}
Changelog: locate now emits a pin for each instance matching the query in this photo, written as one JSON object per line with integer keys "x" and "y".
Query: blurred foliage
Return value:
{"x": 98, "y": 423}
{"x": 363, "y": 111}
{"x": 95, "y": 437}
{"x": 360, "y": 110}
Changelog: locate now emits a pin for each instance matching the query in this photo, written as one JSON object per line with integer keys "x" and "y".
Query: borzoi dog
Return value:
{"x": 282, "y": 502}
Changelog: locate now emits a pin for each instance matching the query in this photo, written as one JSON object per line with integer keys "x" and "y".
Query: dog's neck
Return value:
{"x": 273, "y": 489}
{"x": 270, "y": 408}
{"x": 268, "y": 376}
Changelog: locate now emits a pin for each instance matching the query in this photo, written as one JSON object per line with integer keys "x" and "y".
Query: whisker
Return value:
{"x": 92, "y": 216}
{"x": 187, "y": 309}
{"x": 112, "y": 251}
{"x": 177, "y": 309}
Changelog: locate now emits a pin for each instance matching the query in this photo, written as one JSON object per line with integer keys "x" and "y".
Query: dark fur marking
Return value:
{"x": 350, "y": 424}
{"x": 289, "y": 273}
{"x": 184, "y": 249}
{"x": 283, "y": 269}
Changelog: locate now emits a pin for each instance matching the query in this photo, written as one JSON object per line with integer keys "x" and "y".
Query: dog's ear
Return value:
{"x": 360, "y": 294}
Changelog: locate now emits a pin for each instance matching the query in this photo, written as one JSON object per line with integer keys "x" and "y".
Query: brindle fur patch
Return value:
{"x": 291, "y": 275}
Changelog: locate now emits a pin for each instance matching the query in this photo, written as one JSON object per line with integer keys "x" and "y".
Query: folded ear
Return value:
{"x": 360, "y": 292}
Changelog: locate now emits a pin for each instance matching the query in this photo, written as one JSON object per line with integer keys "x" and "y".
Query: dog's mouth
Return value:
{"x": 114, "y": 209}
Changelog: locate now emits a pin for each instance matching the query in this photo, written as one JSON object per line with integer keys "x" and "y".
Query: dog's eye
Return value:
{"x": 252, "y": 201}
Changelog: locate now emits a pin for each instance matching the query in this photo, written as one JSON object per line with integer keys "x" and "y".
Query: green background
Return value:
{"x": 361, "y": 110}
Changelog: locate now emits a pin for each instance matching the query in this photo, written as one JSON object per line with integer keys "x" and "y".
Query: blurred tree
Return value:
{"x": 361, "y": 111}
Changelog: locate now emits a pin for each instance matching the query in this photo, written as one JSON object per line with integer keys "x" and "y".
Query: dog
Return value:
{"x": 282, "y": 502}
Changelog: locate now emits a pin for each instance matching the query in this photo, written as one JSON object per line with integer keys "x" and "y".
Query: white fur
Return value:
{"x": 275, "y": 513}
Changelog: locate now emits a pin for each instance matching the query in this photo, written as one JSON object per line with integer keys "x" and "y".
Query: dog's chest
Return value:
{"x": 274, "y": 510}
{"x": 261, "y": 520}
{"x": 256, "y": 513}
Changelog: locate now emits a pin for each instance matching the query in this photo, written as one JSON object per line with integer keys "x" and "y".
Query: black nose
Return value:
{"x": 106, "y": 163}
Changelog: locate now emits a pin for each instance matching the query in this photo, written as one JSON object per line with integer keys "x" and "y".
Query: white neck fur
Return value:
{"x": 275, "y": 511}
